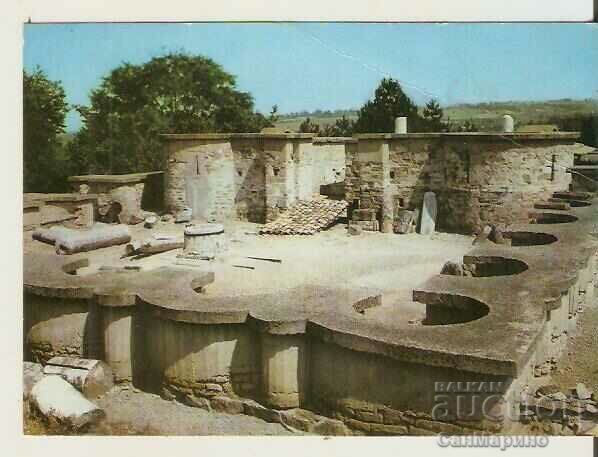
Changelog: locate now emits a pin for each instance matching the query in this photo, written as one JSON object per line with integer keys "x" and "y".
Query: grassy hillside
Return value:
{"x": 486, "y": 116}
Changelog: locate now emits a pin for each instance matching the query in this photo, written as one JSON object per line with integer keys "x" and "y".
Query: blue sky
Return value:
{"x": 308, "y": 66}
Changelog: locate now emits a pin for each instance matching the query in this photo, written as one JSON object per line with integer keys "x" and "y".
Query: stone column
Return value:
{"x": 118, "y": 334}
{"x": 204, "y": 240}
{"x": 508, "y": 124}
{"x": 374, "y": 182}
{"x": 284, "y": 370}
{"x": 279, "y": 172}
{"x": 401, "y": 125}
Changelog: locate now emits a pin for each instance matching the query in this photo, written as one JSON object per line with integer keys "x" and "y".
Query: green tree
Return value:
{"x": 378, "y": 115}
{"x": 307, "y": 126}
{"x": 433, "y": 114}
{"x": 44, "y": 112}
{"x": 175, "y": 93}
{"x": 341, "y": 127}
{"x": 589, "y": 131}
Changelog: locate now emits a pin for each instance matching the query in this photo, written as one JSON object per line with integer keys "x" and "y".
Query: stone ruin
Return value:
{"x": 310, "y": 357}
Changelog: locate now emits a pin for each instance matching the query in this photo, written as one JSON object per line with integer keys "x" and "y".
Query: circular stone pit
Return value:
{"x": 521, "y": 239}
{"x": 552, "y": 218}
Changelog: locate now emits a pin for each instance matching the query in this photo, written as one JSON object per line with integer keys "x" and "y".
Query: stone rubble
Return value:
{"x": 568, "y": 414}
{"x": 306, "y": 218}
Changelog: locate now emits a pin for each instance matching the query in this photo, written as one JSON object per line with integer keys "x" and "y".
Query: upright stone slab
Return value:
{"x": 429, "y": 211}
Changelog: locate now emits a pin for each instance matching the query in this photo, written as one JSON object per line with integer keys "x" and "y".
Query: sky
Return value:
{"x": 309, "y": 66}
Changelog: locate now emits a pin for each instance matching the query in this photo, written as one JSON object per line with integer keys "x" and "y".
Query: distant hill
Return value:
{"x": 486, "y": 116}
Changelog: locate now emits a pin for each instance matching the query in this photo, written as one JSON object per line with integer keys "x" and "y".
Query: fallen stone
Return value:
{"x": 483, "y": 236}
{"x": 299, "y": 419}
{"x": 253, "y": 408}
{"x": 548, "y": 389}
{"x": 71, "y": 241}
{"x": 406, "y": 222}
{"x": 32, "y": 373}
{"x": 330, "y": 427}
{"x": 211, "y": 390}
{"x": 58, "y": 400}
{"x": 167, "y": 218}
{"x": 452, "y": 268}
{"x": 227, "y": 405}
{"x": 150, "y": 221}
{"x": 354, "y": 230}
{"x": 183, "y": 216}
{"x": 582, "y": 392}
{"x": 91, "y": 377}
{"x": 197, "y": 402}
{"x": 560, "y": 396}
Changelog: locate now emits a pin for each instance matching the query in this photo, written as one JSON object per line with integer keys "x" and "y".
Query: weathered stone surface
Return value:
{"x": 184, "y": 215}
{"x": 391, "y": 430}
{"x": 548, "y": 389}
{"x": 300, "y": 419}
{"x": 354, "y": 230}
{"x": 71, "y": 241}
{"x": 417, "y": 431}
{"x": 58, "y": 400}
{"x": 32, "y": 373}
{"x": 253, "y": 408}
{"x": 330, "y": 427}
{"x": 428, "y": 215}
{"x": 197, "y": 402}
{"x": 452, "y": 268}
{"x": 406, "y": 222}
{"x": 582, "y": 392}
{"x": 91, "y": 377}
{"x": 227, "y": 405}
{"x": 439, "y": 427}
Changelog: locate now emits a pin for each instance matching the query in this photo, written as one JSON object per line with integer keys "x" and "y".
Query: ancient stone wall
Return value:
{"x": 328, "y": 161}
{"x": 249, "y": 176}
{"x": 478, "y": 178}
{"x": 200, "y": 175}
{"x": 250, "y": 179}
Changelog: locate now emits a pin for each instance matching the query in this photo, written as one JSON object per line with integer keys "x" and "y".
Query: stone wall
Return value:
{"x": 478, "y": 178}
{"x": 231, "y": 366}
{"x": 200, "y": 175}
{"x": 251, "y": 177}
{"x": 329, "y": 161}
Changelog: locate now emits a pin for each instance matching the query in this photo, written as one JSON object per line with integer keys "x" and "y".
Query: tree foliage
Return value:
{"x": 44, "y": 112}
{"x": 433, "y": 115}
{"x": 378, "y": 115}
{"x": 175, "y": 93}
{"x": 340, "y": 127}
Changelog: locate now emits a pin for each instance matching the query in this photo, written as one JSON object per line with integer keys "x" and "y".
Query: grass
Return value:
{"x": 487, "y": 116}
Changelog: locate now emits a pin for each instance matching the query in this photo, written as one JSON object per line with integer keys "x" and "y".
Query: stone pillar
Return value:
{"x": 118, "y": 334}
{"x": 204, "y": 240}
{"x": 401, "y": 125}
{"x": 284, "y": 370}
{"x": 508, "y": 124}
{"x": 375, "y": 199}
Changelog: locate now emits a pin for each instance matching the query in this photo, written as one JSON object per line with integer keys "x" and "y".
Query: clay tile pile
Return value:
{"x": 306, "y": 218}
